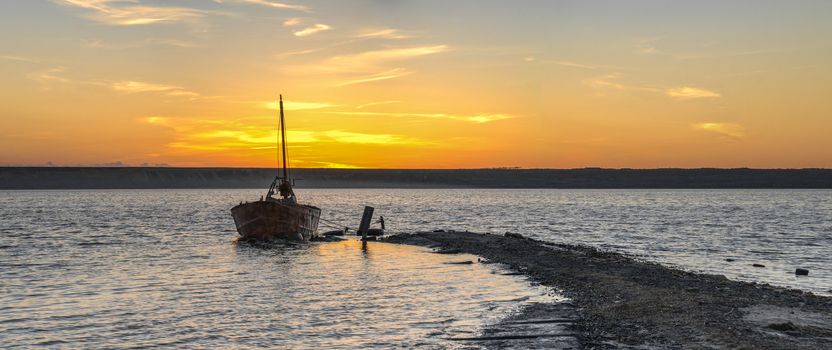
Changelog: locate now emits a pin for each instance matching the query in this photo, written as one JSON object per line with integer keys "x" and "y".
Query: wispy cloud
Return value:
{"x": 143, "y": 87}
{"x": 291, "y": 22}
{"x": 686, "y": 93}
{"x": 732, "y": 130}
{"x": 98, "y": 44}
{"x": 390, "y": 74}
{"x": 315, "y": 29}
{"x": 131, "y": 12}
{"x": 377, "y": 103}
{"x": 374, "y": 58}
{"x": 50, "y": 75}
{"x": 272, "y": 4}
{"x": 364, "y": 138}
{"x": 367, "y": 66}
{"x": 383, "y": 33}
{"x": 283, "y": 55}
{"x": 614, "y": 81}
{"x": 19, "y": 58}
{"x": 608, "y": 81}
{"x": 477, "y": 118}
{"x": 569, "y": 64}
{"x": 298, "y": 105}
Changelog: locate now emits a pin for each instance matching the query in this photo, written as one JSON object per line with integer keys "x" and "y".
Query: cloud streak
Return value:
{"x": 686, "y": 93}
{"x": 364, "y": 67}
{"x": 113, "y": 12}
{"x": 314, "y": 29}
{"x": 382, "y": 33}
{"x": 374, "y": 58}
{"x": 298, "y": 105}
{"x": 291, "y": 22}
{"x": 731, "y": 130}
{"x": 132, "y": 87}
{"x": 273, "y": 4}
{"x": 613, "y": 81}
{"x": 50, "y": 75}
{"x": 377, "y": 103}
{"x": 390, "y": 74}
{"x": 19, "y": 59}
{"x": 97, "y": 44}
{"x": 477, "y": 118}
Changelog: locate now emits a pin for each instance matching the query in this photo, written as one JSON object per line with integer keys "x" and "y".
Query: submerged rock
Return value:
{"x": 375, "y": 232}
{"x": 783, "y": 327}
{"x": 448, "y": 251}
{"x": 466, "y": 262}
{"x": 334, "y": 233}
{"x": 514, "y": 235}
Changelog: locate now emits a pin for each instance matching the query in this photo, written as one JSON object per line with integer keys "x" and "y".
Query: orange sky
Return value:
{"x": 417, "y": 84}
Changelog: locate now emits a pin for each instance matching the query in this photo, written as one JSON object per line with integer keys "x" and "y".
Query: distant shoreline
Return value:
{"x": 17, "y": 178}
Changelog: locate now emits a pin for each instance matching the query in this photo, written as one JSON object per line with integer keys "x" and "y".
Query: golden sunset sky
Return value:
{"x": 417, "y": 84}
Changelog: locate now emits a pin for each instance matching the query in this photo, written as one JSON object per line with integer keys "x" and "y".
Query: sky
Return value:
{"x": 417, "y": 84}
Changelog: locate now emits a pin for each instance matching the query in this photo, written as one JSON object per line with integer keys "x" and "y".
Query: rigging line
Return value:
{"x": 335, "y": 226}
{"x": 286, "y": 151}
{"x": 283, "y": 144}
{"x": 277, "y": 143}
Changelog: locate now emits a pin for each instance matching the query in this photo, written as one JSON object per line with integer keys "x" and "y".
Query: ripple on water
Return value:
{"x": 160, "y": 268}
{"x": 119, "y": 289}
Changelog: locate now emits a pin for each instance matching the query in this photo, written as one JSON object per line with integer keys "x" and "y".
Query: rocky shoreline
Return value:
{"x": 621, "y": 302}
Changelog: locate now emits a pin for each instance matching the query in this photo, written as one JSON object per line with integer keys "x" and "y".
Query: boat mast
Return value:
{"x": 283, "y": 140}
{"x": 285, "y": 187}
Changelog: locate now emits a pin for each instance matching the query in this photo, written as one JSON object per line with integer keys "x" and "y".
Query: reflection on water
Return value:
{"x": 151, "y": 269}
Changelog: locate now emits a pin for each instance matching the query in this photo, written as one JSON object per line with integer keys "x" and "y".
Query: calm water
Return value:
{"x": 124, "y": 269}
{"x": 152, "y": 268}
{"x": 692, "y": 229}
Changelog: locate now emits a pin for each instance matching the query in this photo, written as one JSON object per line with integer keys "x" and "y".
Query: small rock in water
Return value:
{"x": 758, "y": 265}
{"x": 514, "y": 235}
{"x": 783, "y": 327}
{"x": 467, "y": 262}
{"x": 729, "y": 260}
{"x": 448, "y": 251}
{"x": 334, "y": 233}
{"x": 801, "y": 272}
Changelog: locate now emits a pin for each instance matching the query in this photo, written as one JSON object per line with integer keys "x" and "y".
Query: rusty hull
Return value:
{"x": 271, "y": 219}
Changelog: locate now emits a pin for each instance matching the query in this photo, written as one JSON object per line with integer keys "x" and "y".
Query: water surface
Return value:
{"x": 157, "y": 268}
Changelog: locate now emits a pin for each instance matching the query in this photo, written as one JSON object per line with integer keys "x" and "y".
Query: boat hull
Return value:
{"x": 267, "y": 220}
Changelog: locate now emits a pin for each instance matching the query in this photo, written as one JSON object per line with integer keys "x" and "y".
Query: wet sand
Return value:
{"x": 620, "y": 302}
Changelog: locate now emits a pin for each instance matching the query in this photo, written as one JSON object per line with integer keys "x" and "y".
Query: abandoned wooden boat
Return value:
{"x": 280, "y": 217}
